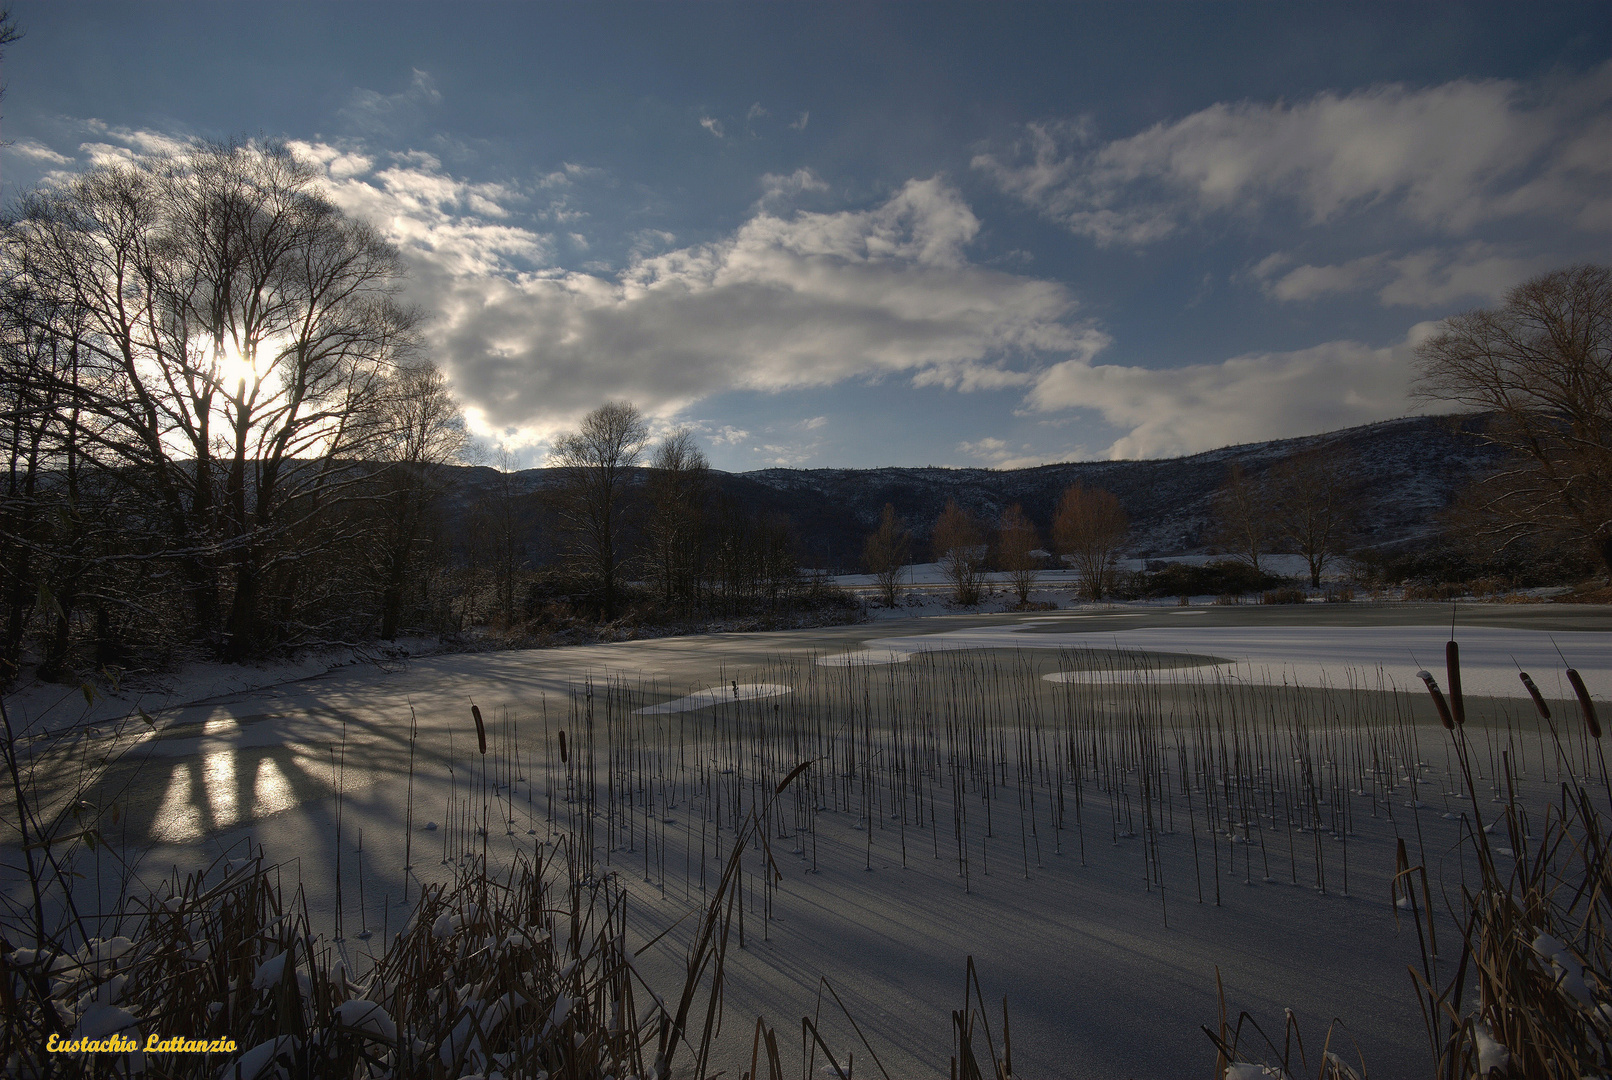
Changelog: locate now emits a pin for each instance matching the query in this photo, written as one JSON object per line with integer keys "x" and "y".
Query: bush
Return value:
{"x": 1224, "y": 577}
{"x": 1284, "y": 596}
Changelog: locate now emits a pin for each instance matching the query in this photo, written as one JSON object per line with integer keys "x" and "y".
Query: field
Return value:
{"x": 1106, "y": 809}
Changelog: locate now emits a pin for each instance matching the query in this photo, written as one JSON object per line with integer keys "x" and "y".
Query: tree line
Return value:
{"x": 1308, "y": 504}
{"x": 1537, "y": 368}
{"x": 223, "y": 435}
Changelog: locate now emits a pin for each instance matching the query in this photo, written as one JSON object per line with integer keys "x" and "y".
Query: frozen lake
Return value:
{"x": 977, "y": 791}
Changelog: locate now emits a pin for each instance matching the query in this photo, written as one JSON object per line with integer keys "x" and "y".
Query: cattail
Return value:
{"x": 1585, "y": 703}
{"x": 481, "y": 731}
{"x": 563, "y": 757}
{"x": 1452, "y": 664}
{"x": 1533, "y": 692}
{"x": 1438, "y": 699}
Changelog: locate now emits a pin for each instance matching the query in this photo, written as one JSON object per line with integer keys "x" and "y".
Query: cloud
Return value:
{"x": 1476, "y": 272}
{"x": 996, "y": 454}
{"x": 814, "y": 423}
{"x": 374, "y": 113}
{"x": 436, "y": 219}
{"x": 755, "y": 112}
{"x": 777, "y": 188}
{"x": 34, "y": 150}
{"x": 112, "y": 144}
{"x": 787, "y": 455}
{"x": 1250, "y": 398}
{"x": 800, "y": 124}
{"x": 712, "y": 125}
{"x": 1431, "y": 277}
{"x": 1445, "y": 158}
{"x": 805, "y": 300}
{"x": 340, "y": 163}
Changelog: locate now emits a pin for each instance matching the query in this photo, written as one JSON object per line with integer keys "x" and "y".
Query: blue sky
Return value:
{"x": 892, "y": 234}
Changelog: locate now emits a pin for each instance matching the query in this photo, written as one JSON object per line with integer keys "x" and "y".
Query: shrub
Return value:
{"x": 1222, "y": 577}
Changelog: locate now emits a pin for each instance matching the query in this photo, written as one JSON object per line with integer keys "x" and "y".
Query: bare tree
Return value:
{"x": 959, "y": 546}
{"x": 1017, "y": 545}
{"x": 886, "y": 553}
{"x": 235, "y": 330}
{"x": 422, "y": 428}
{"x": 597, "y": 460}
{"x": 679, "y": 484}
{"x": 1541, "y": 365}
{"x": 1314, "y": 502}
{"x": 1243, "y": 516}
{"x": 1090, "y": 532}
{"x": 496, "y": 533}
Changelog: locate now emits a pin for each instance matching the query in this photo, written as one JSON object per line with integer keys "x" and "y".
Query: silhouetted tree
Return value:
{"x": 959, "y": 546}
{"x": 423, "y": 429}
{"x": 495, "y": 536}
{"x": 886, "y": 554}
{"x": 1243, "y": 520}
{"x": 1090, "y": 531}
{"x": 233, "y": 332}
{"x": 1016, "y": 550}
{"x": 597, "y": 460}
{"x": 679, "y": 488}
{"x": 1314, "y": 502}
{"x": 1541, "y": 364}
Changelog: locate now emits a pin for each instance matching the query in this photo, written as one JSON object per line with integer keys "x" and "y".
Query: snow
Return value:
{"x": 1097, "y": 984}
{"x": 1317, "y": 656}
{"x": 369, "y": 1017}
{"x": 712, "y": 695}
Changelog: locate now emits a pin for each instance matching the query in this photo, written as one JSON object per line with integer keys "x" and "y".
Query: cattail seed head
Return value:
{"x": 1452, "y": 664}
{"x": 1438, "y": 699}
{"x": 1533, "y": 692}
{"x": 1585, "y": 704}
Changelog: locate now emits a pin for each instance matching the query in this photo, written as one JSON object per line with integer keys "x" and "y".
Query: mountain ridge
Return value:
{"x": 1408, "y": 470}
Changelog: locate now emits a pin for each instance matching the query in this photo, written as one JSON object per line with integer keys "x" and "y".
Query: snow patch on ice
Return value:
{"x": 713, "y": 695}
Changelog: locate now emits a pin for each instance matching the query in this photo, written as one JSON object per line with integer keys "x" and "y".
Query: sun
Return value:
{"x": 231, "y": 368}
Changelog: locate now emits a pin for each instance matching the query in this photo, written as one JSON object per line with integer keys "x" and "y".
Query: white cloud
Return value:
{"x": 755, "y": 112}
{"x": 807, "y": 300}
{"x": 1476, "y": 272}
{"x": 721, "y": 434}
{"x": 777, "y": 188}
{"x": 1428, "y": 278}
{"x": 814, "y": 423}
{"x": 1445, "y": 157}
{"x": 800, "y": 124}
{"x": 34, "y": 150}
{"x": 712, "y": 125}
{"x": 1250, "y": 398}
{"x": 123, "y": 144}
{"x": 1308, "y": 282}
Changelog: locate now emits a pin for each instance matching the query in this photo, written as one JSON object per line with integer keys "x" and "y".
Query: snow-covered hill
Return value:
{"x": 1408, "y": 471}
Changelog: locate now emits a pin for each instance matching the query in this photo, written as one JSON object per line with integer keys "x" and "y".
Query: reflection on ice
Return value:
{"x": 178, "y": 818}
{"x": 219, "y": 767}
{"x": 272, "y": 791}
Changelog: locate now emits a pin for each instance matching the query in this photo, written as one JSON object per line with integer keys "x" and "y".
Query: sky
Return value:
{"x": 857, "y": 235}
